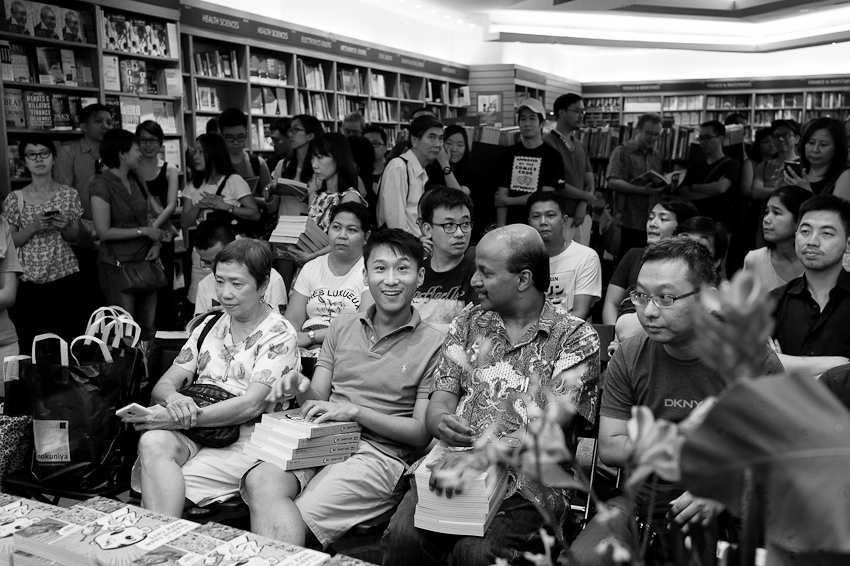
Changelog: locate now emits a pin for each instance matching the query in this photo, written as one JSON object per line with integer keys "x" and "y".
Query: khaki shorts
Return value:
{"x": 211, "y": 475}
{"x": 336, "y": 497}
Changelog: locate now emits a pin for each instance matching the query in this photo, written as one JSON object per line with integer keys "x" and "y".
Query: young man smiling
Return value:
{"x": 375, "y": 368}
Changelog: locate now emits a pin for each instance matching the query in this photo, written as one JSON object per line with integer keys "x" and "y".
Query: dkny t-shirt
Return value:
{"x": 524, "y": 171}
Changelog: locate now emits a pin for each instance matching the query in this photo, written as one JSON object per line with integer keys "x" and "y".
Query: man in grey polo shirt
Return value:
{"x": 375, "y": 368}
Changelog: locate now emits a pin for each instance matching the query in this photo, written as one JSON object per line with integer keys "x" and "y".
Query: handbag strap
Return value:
{"x": 10, "y": 367}
{"x": 63, "y": 347}
{"x": 113, "y": 310}
{"x": 107, "y": 357}
{"x": 209, "y": 321}
{"x": 221, "y": 186}
{"x": 121, "y": 326}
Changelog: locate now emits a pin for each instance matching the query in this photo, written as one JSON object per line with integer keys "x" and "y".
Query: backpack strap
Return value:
{"x": 406, "y": 170}
{"x": 221, "y": 185}
{"x": 255, "y": 163}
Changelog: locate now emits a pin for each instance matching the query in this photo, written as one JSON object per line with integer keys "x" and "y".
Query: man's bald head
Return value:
{"x": 523, "y": 249}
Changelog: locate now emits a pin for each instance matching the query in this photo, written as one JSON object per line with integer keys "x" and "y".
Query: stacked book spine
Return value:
{"x": 287, "y": 440}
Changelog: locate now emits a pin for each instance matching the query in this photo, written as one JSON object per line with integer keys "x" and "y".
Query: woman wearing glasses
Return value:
{"x": 44, "y": 218}
{"x": 333, "y": 283}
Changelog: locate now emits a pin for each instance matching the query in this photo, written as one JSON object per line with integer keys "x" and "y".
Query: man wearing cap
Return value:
{"x": 526, "y": 167}
{"x": 578, "y": 189}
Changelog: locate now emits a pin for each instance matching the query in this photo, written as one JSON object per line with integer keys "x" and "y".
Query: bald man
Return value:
{"x": 531, "y": 346}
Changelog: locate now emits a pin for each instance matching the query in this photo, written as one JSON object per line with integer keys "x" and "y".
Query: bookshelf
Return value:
{"x": 288, "y": 70}
{"x": 499, "y": 89}
{"x": 123, "y": 54}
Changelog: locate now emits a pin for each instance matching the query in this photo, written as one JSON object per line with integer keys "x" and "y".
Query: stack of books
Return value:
{"x": 468, "y": 513}
{"x": 103, "y": 532}
{"x": 303, "y": 233}
{"x": 17, "y": 513}
{"x": 290, "y": 442}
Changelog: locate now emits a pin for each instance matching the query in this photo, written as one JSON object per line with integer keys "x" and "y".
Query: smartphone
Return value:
{"x": 51, "y": 213}
{"x": 133, "y": 410}
{"x": 794, "y": 166}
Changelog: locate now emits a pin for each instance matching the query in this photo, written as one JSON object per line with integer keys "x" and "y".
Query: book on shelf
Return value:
{"x": 201, "y": 124}
{"x": 138, "y": 36}
{"x": 163, "y": 114}
{"x": 350, "y": 81}
{"x": 459, "y": 96}
{"x": 282, "y": 105}
{"x": 310, "y": 76}
{"x": 276, "y": 69}
{"x": 6, "y": 60}
{"x": 295, "y": 425}
{"x": 44, "y": 19}
{"x": 85, "y": 74}
{"x": 133, "y": 76}
{"x": 17, "y": 168}
{"x": 76, "y": 104}
{"x": 131, "y": 112}
{"x": 226, "y": 65}
{"x": 235, "y": 69}
{"x": 39, "y": 113}
{"x": 269, "y": 101}
{"x": 13, "y": 106}
{"x": 405, "y": 90}
{"x": 468, "y": 513}
{"x": 49, "y": 62}
{"x": 171, "y": 153}
{"x": 260, "y": 135}
{"x": 21, "y": 64}
{"x": 74, "y": 25}
{"x": 69, "y": 67}
{"x": 61, "y": 110}
{"x": 377, "y": 84}
{"x": 169, "y": 82}
{"x": 111, "y": 73}
{"x": 207, "y": 99}
{"x": 113, "y": 102}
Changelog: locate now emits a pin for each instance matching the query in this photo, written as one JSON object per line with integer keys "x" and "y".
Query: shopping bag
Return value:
{"x": 74, "y": 395}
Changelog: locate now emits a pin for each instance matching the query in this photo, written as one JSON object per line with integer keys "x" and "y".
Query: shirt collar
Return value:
{"x": 414, "y": 161}
{"x": 636, "y": 148}
{"x": 545, "y": 323}
{"x": 84, "y": 146}
{"x": 562, "y": 136}
{"x": 367, "y": 318}
{"x": 798, "y": 285}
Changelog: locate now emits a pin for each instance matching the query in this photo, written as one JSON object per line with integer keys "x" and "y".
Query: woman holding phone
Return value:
{"x": 44, "y": 218}
{"x": 823, "y": 159}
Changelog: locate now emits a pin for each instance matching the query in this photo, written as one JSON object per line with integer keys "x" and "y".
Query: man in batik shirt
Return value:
{"x": 512, "y": 349}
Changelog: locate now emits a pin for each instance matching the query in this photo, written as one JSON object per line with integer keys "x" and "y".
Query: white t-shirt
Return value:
{"x": 234, "y": 189}
{"x": 574, "y": 271}
{"x": 328, "y": 294}
{"x": 274, "y": 296}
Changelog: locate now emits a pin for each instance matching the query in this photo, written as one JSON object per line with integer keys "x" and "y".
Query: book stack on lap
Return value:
{"x": 468, "y": 513}
{"x": 303, "y": 233}
{"x": 290, "y": 442}
{"x": 103, "y": 532}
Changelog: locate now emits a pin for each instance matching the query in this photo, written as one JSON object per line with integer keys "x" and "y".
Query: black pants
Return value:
{"x": 49, "y": 307}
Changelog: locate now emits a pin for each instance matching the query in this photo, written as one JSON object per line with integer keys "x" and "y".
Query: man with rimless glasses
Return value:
{"x": 445, "y": 216}
{"x": 660, "y": 370}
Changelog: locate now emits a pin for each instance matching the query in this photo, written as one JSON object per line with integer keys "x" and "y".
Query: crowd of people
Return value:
{"x": 417, "y": 322}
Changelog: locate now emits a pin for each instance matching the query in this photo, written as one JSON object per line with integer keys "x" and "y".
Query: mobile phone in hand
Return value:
{"x": 50, "y": 214}
{"x": 794, "y": 166}
{"x": 133, "y": 410}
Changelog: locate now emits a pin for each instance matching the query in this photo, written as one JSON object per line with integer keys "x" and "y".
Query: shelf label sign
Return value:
{"x": 316, "y": 42}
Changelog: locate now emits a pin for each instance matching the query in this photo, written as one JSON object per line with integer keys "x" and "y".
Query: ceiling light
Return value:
{"x": 472, "y": 25}
{"x": 433, "y": 11}
{"x": 448, "y": 16}
{"x": 419, "y": 5}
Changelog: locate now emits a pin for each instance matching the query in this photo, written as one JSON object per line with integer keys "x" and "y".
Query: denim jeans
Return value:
{"x": 142, "y": 306}
{"x": 515, "y": 529}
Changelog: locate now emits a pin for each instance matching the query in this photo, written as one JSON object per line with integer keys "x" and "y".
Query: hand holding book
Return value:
{"x": 324, "y": 411}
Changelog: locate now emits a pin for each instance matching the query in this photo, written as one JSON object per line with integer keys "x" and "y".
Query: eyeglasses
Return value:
{"x": 33, "y": 155}
{"x": 377, "y": 144}
{"x": 662, "y": 301}
{"x": 293, "y": 131}
{"x": 579, "y": 111}
{"x": 785, "y": 137}
{"x": 231, "y": 139}
{"x": 705, "y": 138}
{"x": 451, "y": 227}
{"x": 148, "y": 141}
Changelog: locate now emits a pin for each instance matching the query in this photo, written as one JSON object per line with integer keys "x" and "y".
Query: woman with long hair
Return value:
{"x": 824, "y": 160}
{"x": 303, "y": 129}
{"x": 777, "y": 263}
{"x": 770, "y": 173}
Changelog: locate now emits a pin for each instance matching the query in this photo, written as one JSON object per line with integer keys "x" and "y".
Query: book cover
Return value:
{"x": 131, "y": 112}
{"x": 85, "y": 75}
{"x": 169, "y": 82}
{"x": 117, "y": 35}
{"x": 111, "y": 73}
{"x": 270, "y": 443}
{"x": 44, "y": 20}
{"x": 13, "y": 105}
{"x": 171, "y": 153}
{"x": 38, "y": 110}
{"x": 21, "y": 64}
{"x": 69, "y": 67}
{"x": 112, "y": 102}
{"x": 288, "y": 464}
{"x": 294, "y": 424}
{"x": 17, "y": 169}
{"x": 269, "y": 101}
{"x": 73, "y": 26}
{"x": 234, "y": 63}
{"x": 151, "y": 81}
{"x": 290, "y": 188}
{"x": 282, "y": 105}
{"x": 256, "y": 66}
{"x": 172, "y": 42}
{"x": 16, "y": 18}
{"x": 145, "y": 37}
{"x": 164, "y": 115}
{"x": 146, "y": 110}
{"x": 61, "y": 109}
{"x": 226, "y": 65}
{"x": 16, "y": 514}
{"x": 133, "y": 76}
{"x": 49, "y": 61}
{"x": 38, "y": 539}
{"x": 6, "y": 60}
{"x": 287, "y": 441}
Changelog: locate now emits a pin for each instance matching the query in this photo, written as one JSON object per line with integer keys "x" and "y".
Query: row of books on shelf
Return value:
{"x": 786, "y": 100}
{"x": 346, "y": 105}
{"x": 674, "y": 103}
{"x": 447, "y": 94}
{"x": 139, "y": 36}
{"x": 261, "y": 135}
{"x": 315, "y": 104}
{"x": 45, "y": 20}
{"x": 381, "y": 111}
{"x": 684, "y": 118}
{"x": 38, "y": 110}
{"x": 269, "y": 100}
{"x": 508, "y": 135}
{"x": 728, "y": 102}
{"x": 765, "y": 117}
{"x": 218, "y": 64}
{"x": 605, "y": 104}
{"x": 310, "y": 76}
{"x": 107, "y": 532}
{"x": 825, "y": 100}
{"x": 266, "y": 68}
{"x": 351, "y": 81}
{"x": 136, "y": 76}
{"x": 45, "y": 65}
{"x": 377, "y": 85}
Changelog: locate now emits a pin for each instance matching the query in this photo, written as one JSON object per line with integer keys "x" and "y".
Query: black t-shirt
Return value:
{"x": 724, "y": 207}
{"x": 524, "y": 171}
{"x": 443, "y": 295}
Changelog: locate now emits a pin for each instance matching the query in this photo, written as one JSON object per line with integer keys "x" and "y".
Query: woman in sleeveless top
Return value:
{"x": 824, "y": 160}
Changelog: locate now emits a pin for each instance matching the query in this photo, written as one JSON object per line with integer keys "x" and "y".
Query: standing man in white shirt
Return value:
{"x": 575, "y": 274}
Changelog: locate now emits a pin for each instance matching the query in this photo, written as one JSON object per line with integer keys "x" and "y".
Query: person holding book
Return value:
{"x": 334, "y": 182}
{"x": 403, "y": 182}
{"x": 777, "y": 263}
{"x": 494, "y": 353}
{"x": 216, "y": 192}
{"x": 211, "y": 237}
{"x": 44, "y": 217}
{"x": 375, "y": 368}
{"x": 243, "y": 352}
{"x": 123, "y": 225}
{"x": 526, "y": 167}
{"x": 331, "y": 284}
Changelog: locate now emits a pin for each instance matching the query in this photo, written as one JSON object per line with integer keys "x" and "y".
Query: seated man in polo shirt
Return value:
{"x": 515, "y": 342}
{"x": 375, "y": 368}
{"x": 812, "y": 311}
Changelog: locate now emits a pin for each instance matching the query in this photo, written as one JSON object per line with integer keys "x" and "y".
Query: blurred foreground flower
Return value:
{"x": 734, "y": 326}
{"x": 656, "y": 445}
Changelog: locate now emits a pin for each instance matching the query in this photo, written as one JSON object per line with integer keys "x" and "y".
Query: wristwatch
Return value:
{"x": 312, "y": 335}
{"x": 447, "y": 170}
{"x": 230, "y": 209}
{"x": 139, "y": 231}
